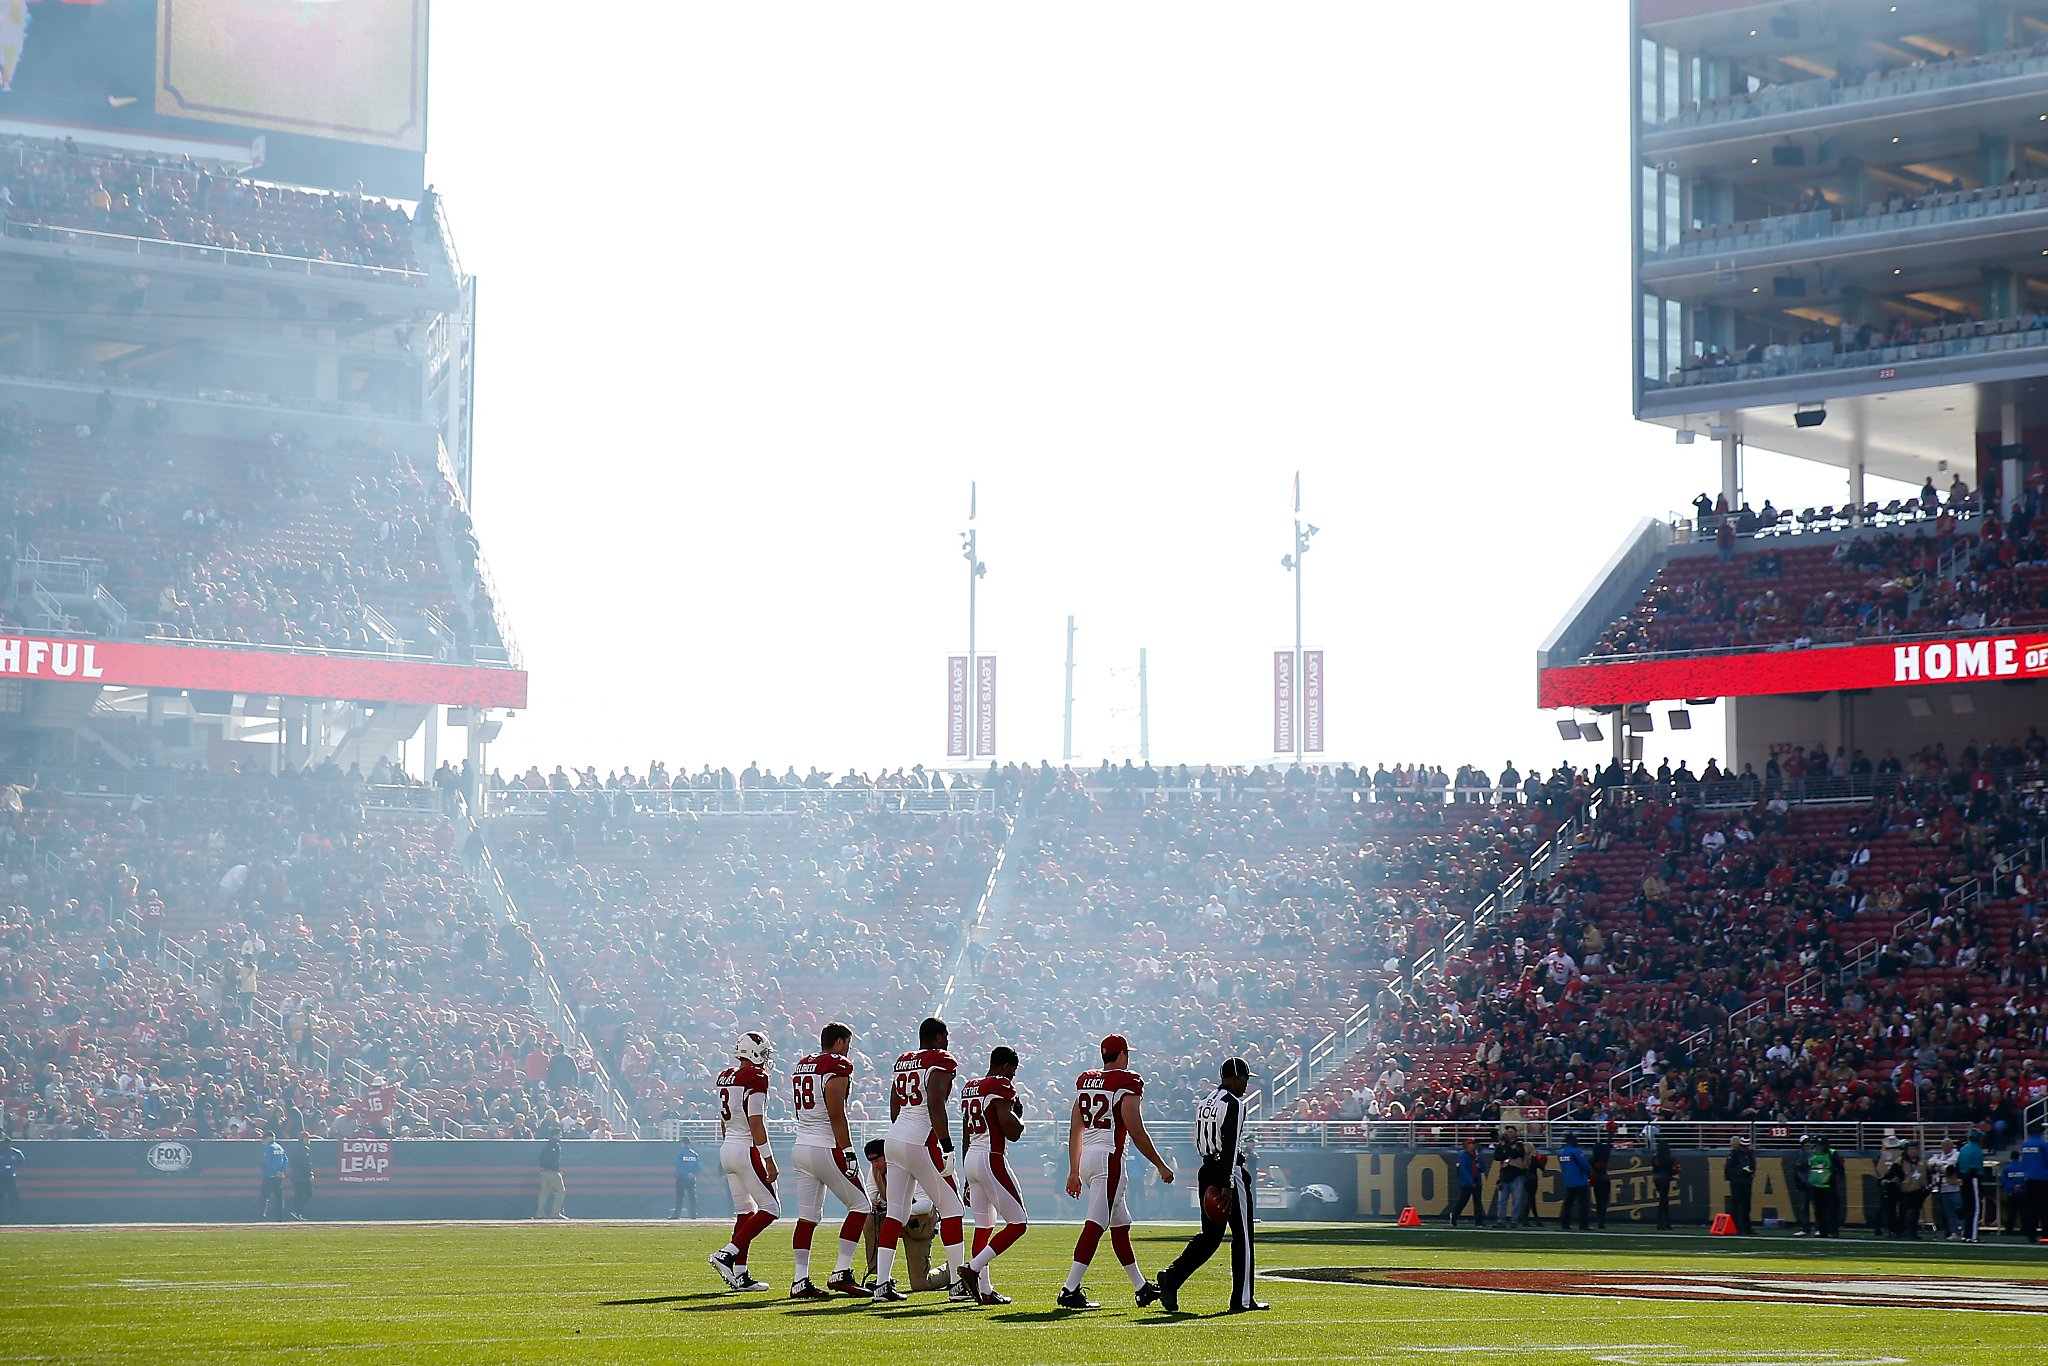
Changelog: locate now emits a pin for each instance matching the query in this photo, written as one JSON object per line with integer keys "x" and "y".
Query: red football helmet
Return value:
{"x": 1214, "y": 1207}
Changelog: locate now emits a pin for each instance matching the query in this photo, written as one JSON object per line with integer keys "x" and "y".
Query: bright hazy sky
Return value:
{"x": 763, "y": 287}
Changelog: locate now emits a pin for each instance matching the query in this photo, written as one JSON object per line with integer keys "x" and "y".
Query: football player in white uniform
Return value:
{"x": 744, "y": 1155}
{"x": 991, "y": 1118}
{"x": 1105, "y": 1113}
{"x": 920, "y": 1137}
{"x": 825, "y": 1161}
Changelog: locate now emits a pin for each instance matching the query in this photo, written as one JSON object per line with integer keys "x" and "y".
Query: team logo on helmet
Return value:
{"x": 753, "y": 1047}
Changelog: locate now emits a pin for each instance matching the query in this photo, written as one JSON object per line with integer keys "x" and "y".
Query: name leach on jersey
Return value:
{"x": 807, "y": 1096}
{"x": 742, "y": 1091}
{"x": 1100, "y": 1093}
{"x": 909, "y": 1087}
{"x": 974, "y": 1121}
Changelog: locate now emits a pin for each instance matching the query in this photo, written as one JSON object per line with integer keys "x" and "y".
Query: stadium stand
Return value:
{"x": 252, "y": 543}
{"x": 213, "y": 957}
{"x": 1946, "y": 574}
{"x": 1712, "y": 954}
{"x": 191, "y": 954}
{"x": 56, "y": 190}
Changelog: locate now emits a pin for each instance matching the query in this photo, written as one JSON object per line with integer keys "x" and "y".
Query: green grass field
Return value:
{"x": 642, "y": 1293}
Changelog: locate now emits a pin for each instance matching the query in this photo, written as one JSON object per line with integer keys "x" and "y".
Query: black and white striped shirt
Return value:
{"x": 1218, "y": 1132}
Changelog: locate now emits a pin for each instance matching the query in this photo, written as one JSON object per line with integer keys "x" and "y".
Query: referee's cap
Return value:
{"x": 1235, "y": 1067}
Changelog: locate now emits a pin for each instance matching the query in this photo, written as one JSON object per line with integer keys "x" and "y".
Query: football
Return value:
{"x": 1214, "y": 1208}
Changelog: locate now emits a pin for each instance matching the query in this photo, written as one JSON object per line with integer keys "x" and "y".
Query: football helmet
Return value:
{"x": 753, "y": 1047}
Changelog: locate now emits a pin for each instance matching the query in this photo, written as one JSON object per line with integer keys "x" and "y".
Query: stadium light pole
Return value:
{"x": 1291, "y": 562}
{"x": 976, "y": 570}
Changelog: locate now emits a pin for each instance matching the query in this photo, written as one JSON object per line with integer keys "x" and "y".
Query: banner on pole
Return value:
{"x": 985, "y": 705}
{"x": 956, "y": 707}
{"x": 1312, "y": 701}
{"x": 1283, "y": 701}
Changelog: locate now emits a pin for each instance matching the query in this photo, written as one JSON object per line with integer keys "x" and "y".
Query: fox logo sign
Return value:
{"x": 1944, "y": 660}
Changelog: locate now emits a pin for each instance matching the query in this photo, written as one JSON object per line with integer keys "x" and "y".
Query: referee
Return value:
{"x": 1219, "y": 1135}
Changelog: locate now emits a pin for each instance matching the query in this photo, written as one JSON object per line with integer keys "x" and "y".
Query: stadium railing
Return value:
{"x": 1989, "y": 201}
{"x": 1793, "y": 97}
{"x": 1935, "y": 343}
{"x": 544, "y": 984}
{"x": 157, "y": 248}
{"x": 752, "y": 801}
{"x": 1702, "y": 1134}
{"x": 1294, "y": 1080}
{"x": 1372, "y": 1134}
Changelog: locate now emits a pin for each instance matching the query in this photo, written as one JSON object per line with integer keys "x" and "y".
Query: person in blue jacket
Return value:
{"x": 1471, "y": 1174}
{"x": 1970, "y": 1175}
{"x": 686, "y": 1182}
{"x": 2034, "y": 1187}
{"x": 1577, "y": 1170}
{"x": 275, "y": 1163}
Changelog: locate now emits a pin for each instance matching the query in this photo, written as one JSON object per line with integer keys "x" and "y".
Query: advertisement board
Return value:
{"x": 336, "y": 89}
{"x": 353, "y": 70}
{"x": 258, "y": 673}
{"x": 363, "y": 1161}
{"x": 1921, "y": 663}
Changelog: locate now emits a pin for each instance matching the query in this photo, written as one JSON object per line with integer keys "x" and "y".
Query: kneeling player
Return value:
{"x": 825, "y": 1161}
{"x": 920, "y": 1136}
{"x": 744, "y": 1155}
{"x": 990, "y": 1120}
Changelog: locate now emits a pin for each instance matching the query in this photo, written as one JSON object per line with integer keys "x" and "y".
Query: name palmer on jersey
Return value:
{"x": 974, "y": 1121}
{"x": 742, "y": 1091}
{"x": 1101, "y": 1092}
{"x": 909, "y": 1087}
{"x": 807, "y": 1096}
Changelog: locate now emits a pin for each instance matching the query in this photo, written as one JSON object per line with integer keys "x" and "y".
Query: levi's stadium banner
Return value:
{"x": 1832, "y": 668}
{"x": 258, "y": 673}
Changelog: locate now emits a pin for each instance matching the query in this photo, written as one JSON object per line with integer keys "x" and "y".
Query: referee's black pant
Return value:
{"x": 1237, "y": 1199}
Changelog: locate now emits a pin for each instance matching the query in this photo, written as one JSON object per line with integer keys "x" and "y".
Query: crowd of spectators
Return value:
{"x": 1946, "y": 575}
{"x": 1616, "y": 981}
{"x": 670, "y": 935}
{"x": 223, "y": 956}
{"x": 1250, "y": 926}
{"x": 251, "y": 543}
{"x": 55, "y": 186}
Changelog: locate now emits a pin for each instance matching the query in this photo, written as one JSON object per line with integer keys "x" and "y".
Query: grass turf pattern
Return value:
{"x": 642, "y": 1293}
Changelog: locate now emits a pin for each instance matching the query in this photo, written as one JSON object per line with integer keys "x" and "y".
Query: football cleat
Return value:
{"x": 887, "y": 1293}
{"x": 1247, "y": 1308}
{"x": 1076, "y": 1299}
{"x": 804, "y": 1290}
{"x": 970, "y": 1281}
{"x": 991, "y": 1299}
{"x": 959, "y": 1293}
{"x": 747, "y": 1282}
{"x": 1149, "y": 1294}
{"x": 727, "y": 1268}
{"x": 1169, "y": 1297}
{"x": 843, "y": 1283}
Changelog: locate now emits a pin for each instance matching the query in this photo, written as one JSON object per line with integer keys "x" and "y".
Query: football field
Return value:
{"x": 642, "y": 1293}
